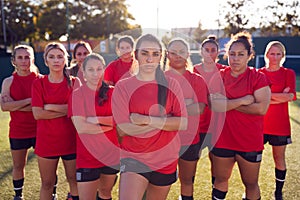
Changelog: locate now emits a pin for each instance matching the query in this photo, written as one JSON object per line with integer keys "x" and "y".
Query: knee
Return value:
{"x": 47, "y": 184}
{"x": 187, "y": 180}
{"x": 105, "y": 191}
{"x": 251, "y": 185}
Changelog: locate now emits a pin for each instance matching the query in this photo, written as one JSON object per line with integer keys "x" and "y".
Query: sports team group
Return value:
{"x": 142, "y": 121}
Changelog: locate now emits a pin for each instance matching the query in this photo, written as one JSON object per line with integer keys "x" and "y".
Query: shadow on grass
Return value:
{"x": 295, "y": 120}
{"x": 8, "y": 172}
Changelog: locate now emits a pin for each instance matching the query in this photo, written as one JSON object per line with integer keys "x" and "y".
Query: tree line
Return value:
{"x": 37, "y": 20}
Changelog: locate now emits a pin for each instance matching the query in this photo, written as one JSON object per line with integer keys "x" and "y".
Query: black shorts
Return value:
{"x": 205, "y": 141}
{"x": 64, "y": 157}
{"x": 190, "y": 153}
{"x": 18, "y": 144}
{"x": 92, "y": 174}
{"x": 155, "y": 178}
{"x": 254, "y": 156}
{"x": 276, "y": 140}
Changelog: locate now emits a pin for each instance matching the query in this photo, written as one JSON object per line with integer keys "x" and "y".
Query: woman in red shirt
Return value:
{"x": 16, "y": 98}
{"x": 195, "y": 96}
{"x": 56, "y": 135}
{"x": 97, "y": 144}
{"x": 148, "y": 109}
{"x": 209, "y": 51}
{"x": 277, "y": 131}
{"x": 123, "y": 66}
{"x": 245, "y": 101}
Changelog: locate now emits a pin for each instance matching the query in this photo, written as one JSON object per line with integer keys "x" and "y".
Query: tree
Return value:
{"x": 88, "y": 18}
{"x": 34, "y": 19}
{"x": 281, "y": 19}
{"x": 199, "y": 33}
{"x": 19, "y": 17}
{"x": 235, "y": 16}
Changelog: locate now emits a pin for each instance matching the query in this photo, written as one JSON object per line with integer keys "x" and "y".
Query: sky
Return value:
{"x": 167, "y": 14}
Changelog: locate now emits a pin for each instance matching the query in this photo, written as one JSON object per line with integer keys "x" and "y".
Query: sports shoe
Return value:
{"x": 54, "y": 197}
{"x": 18, "y": 198}
{"x": 69, "y": 196}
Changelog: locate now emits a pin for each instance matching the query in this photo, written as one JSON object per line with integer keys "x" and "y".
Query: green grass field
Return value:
{"x": 202, "y": 181}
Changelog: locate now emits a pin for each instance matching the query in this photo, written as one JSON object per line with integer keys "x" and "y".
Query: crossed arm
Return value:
{"x": 257, "y": 104}
{"x": 143, "y": 123}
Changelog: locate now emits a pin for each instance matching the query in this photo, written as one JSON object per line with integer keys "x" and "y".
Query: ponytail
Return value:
{"x": 103, "y": 93}
{"x": 162, "y": 88}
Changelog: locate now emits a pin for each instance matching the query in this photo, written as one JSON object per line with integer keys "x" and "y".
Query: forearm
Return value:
{"x": 60, "y": 108}
{"x": 132, "y": 129}
{"x": 281, "y": 97}
{"x": 168, "y": 123}
{"x": 223, "y": 105}
{"x": 103, "y": 120}
{"x": 14, "y": 105}
{"x": 26, "y": 109}
{"x": 195, "y": 108}
{"x": 40, "y": 113}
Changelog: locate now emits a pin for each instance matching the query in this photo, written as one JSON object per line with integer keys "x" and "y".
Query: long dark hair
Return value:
{"x": 159, "y": 74}
{"x": 104, "y": 87}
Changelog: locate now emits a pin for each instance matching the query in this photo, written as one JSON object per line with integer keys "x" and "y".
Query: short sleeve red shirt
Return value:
{"x": 55, "y": 137}
{"x": 22, "y": 124}
{"x": 241, "y": 131}
{"x": 117, "y": 70}
{"x": 158, "y": 149}
{"x": 205, "y": 117}
{"x": 94, "y": 150}
{"x": 277, "y": 120}
{"x": 193, "y": 87}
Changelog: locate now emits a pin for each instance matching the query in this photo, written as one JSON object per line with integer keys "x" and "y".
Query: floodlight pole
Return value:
{"x": 3, "y": 25}
{"x": 67, "y": 25}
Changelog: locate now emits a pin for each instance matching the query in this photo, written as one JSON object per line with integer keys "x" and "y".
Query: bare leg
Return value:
{"x": 70, "y": 170}
{"x": 249, "y": 173}
{"x": 132, "y": 186}
{"x": 47, "y": 169}
{"x": 187, "y": 171}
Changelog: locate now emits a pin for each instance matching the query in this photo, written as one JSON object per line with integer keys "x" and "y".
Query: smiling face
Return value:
{"x": 177, "y": 55}
{"x": 238, "y": 58}
{"x": 148, "y": 56}
{"x": 56, "y": 60}
{"x": 93, "y": 72}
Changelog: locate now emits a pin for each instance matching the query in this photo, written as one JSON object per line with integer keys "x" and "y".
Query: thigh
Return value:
{"x": 107, "y": 181}
{"x": 132, "y": 186}
{"x": 48, "y": 169}
{"x": 249, "y": 170}
{"x": 155, "y": 192}
{"x": 187, "y": 169}
{"x": 70, "y": 168}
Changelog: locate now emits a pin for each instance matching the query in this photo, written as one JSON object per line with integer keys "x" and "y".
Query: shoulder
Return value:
{"x": 114, "y": 62}
{"x": 7, "y": 83}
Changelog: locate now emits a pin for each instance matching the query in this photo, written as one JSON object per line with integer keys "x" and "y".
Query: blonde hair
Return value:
{"x": 278, "y": 45}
